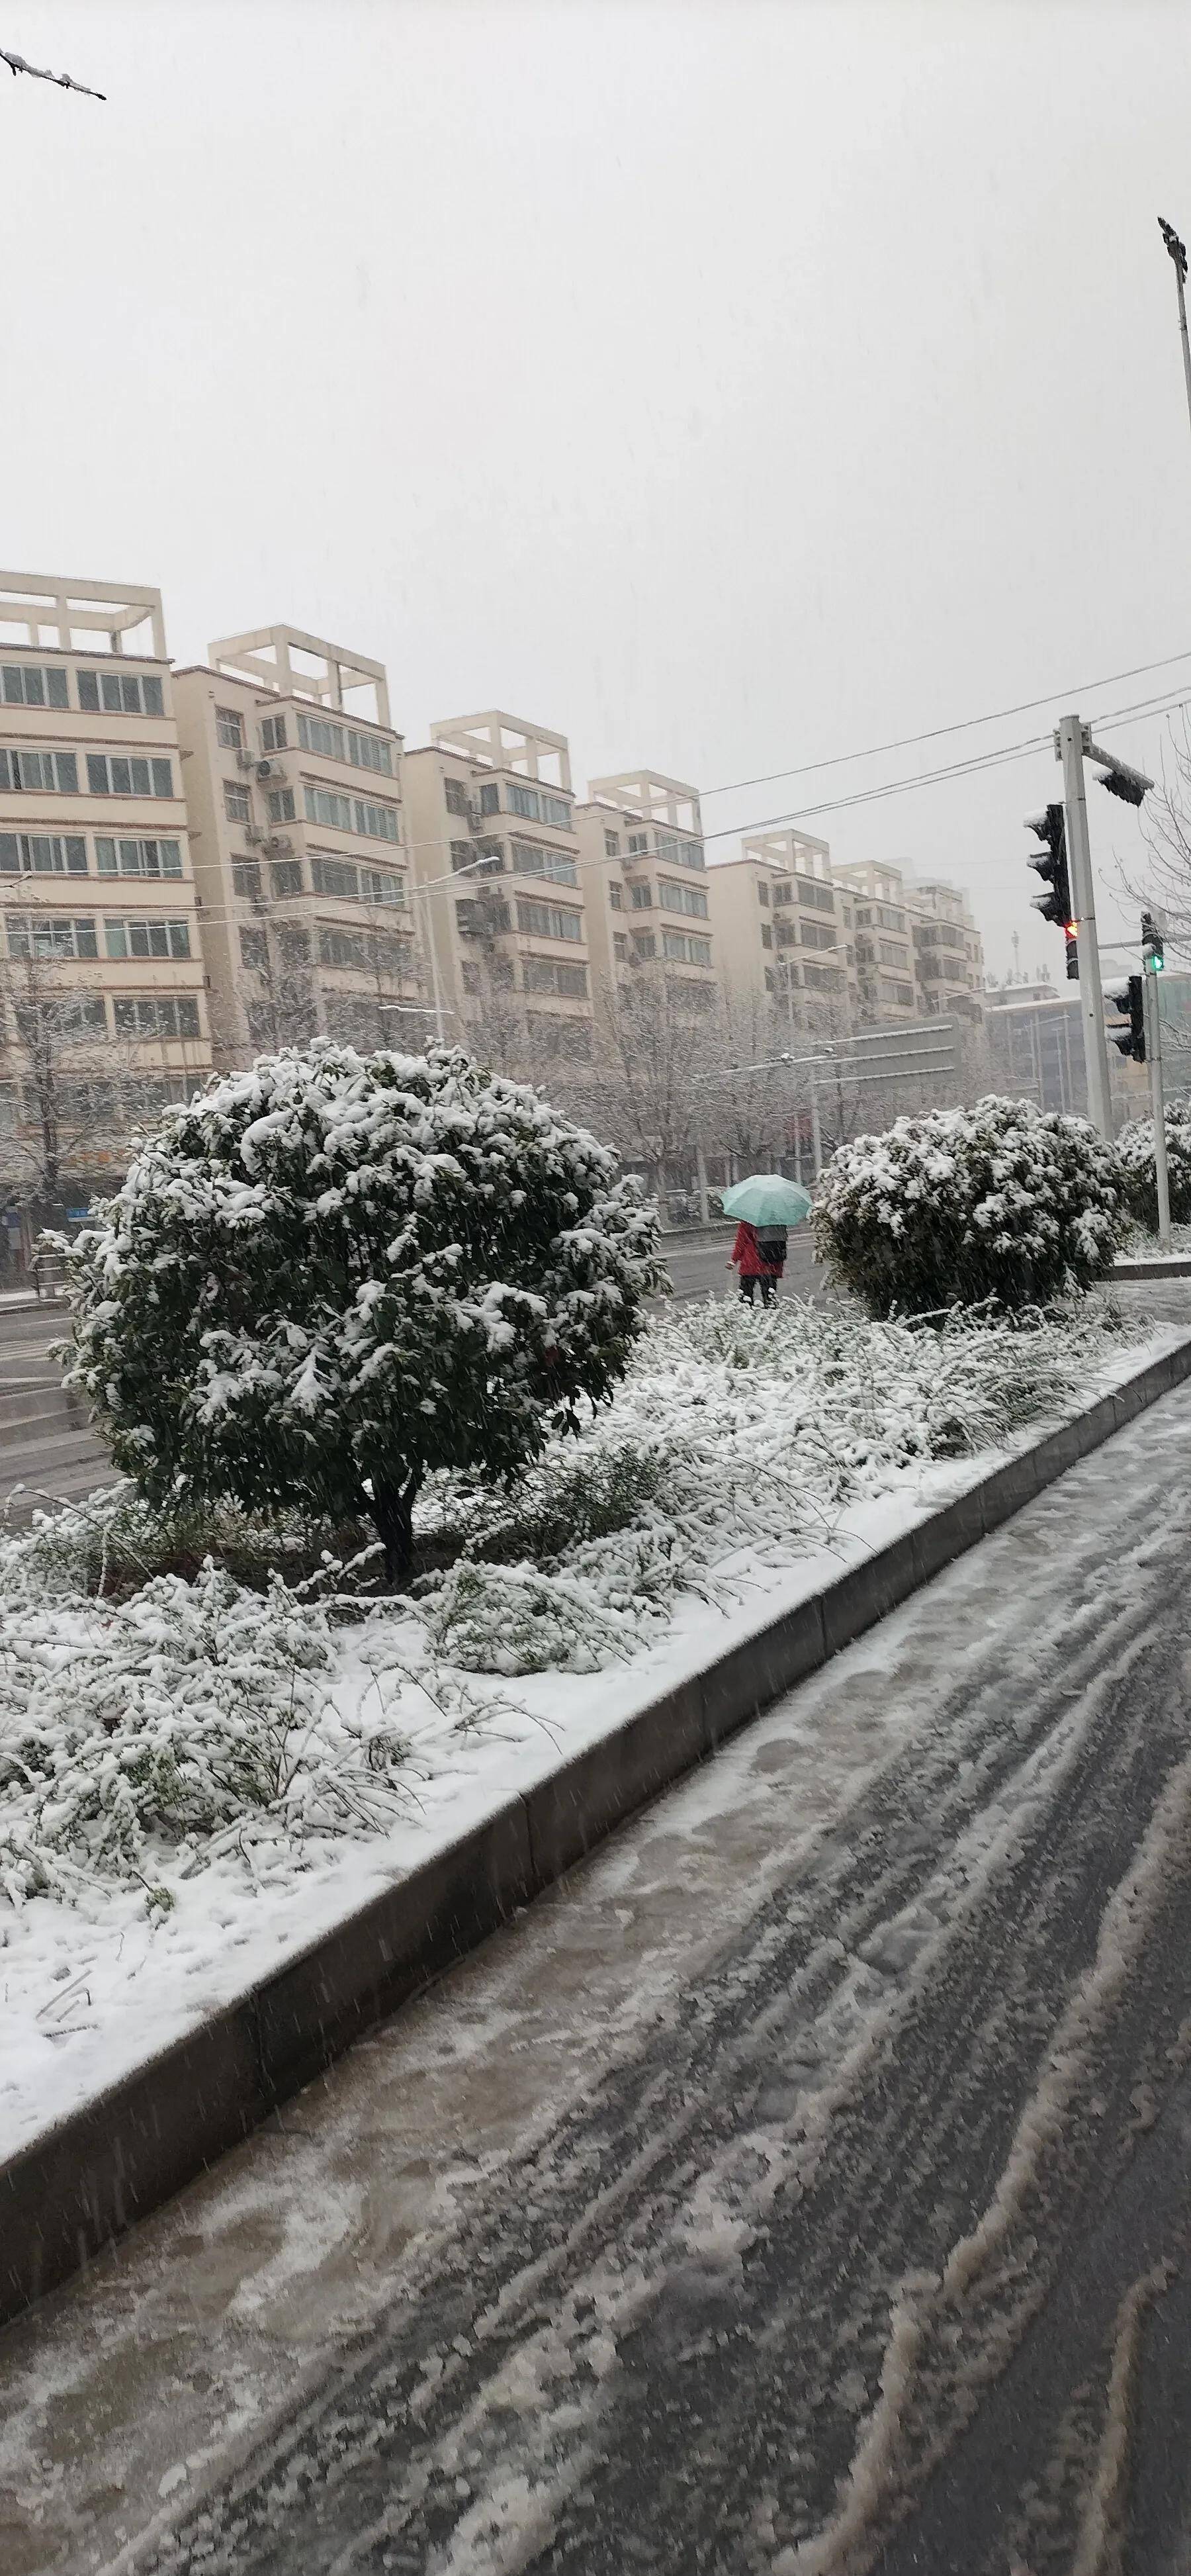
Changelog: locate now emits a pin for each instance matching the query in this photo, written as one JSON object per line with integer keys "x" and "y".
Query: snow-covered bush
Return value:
{"x": 1004, "y": 1202}
{"x": 1135, "y": 1149}
{"x": 329, "y": 1276}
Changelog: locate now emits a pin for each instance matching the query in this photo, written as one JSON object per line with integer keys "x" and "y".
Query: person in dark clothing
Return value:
{"x": 759, "y": 1254}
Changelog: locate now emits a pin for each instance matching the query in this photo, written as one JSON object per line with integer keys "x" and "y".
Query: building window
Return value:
{"x": 43, "y": 854}
{"x": 616, "y": 897}
{"x": 280, "y": 802}
{"x": 26, "y": 684}
{"x": 682, "y": 898}
{"x": 500, "y": 973}
{"x": 229, "y": 729}
{"x": 490, "y": 796}
{"x": 636, "y": 844}
{"x": 342, "y": 742}
{"x": 55, "y": 773}
{"x": 121, "y": 693}
{"x": 463, "y": 855}
{"x": 246, "y": 880}
{"x": 546, "y": 975}
{"x": 136, "y": 858}
{"x": 783, "y": 893}
{"x": 120, "y": 777}
{"x": 811, "y": 890}
{"x": 766, "y": 935}
{"x": 815, "y": 934}
{"x": 889, "y": 918}
{"x": 146, "y": 938}
{"x": 482, "y": 920}
{"x": 42, "y": 935}
{"x": 335, "y": 877}
{"x": 890, "y": 954}
{"x": 473, "y": 981}
{"x": 644, "y": 944}
{"x": 762, "y": 891}
{"x": 339, "y": 947}
{"x": 611, "y": 845}
{"x": 535, "y": 859}
{"x": 686, "y": 854}
{"x": 254, "y": 948}
{"x": 235, "y": 801}
{"x": 620, "y": 945}
{"x": 287, "y": 877}
{"x": 549, "y": 921}
{"x": 641, "y": 898}
{"x": 693, "y": 952}
{"x": 156, "y": 1015}
{"x": 325, "y": 807}
{"x": 455, "y": 794}
{"x": 902, "y": 994}
{"x": 273, "y": 733}
{"x": 537, "y": 805}
{"x": 377, "y": 822}
{"x": 294, "y": 942}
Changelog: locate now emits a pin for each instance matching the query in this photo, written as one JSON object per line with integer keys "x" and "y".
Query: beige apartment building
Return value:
{"x": 294, "y": 789}
{"x": 918, "y": 951}
{"x": 103, "y": 1005}
{"x": 948, "y": 949}
{"x": 784, "y": 926}
{"x": 645, "y": 880}
{"x": 496, "y": 858}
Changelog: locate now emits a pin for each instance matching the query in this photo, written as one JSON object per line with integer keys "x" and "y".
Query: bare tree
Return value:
{"x": 72, "y": 1096}
{"x": 655, "y": 1039}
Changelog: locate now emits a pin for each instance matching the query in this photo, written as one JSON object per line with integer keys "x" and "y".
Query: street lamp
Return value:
{"x": 1178, "y": 254}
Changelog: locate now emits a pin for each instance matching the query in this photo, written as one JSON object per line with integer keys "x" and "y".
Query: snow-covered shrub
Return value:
{"x": 328, "y": 1276}
{"x": 1005, "y": 1201}
{"x": 1135, "y": 1150}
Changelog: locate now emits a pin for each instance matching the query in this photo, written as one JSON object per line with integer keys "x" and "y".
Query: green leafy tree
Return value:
{"x": 329, "y": 1275}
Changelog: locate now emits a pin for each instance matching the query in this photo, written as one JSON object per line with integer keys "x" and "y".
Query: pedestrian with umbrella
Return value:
{"x": 765, "y": 1206}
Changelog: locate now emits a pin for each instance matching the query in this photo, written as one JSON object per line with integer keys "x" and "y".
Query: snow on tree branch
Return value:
{"x": 61, "y": 80}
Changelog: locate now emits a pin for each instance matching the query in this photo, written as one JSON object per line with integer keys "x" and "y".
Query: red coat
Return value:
{"x": 746, "y": 1254}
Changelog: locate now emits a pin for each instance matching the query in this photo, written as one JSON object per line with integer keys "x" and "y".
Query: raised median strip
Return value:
{"x": 73, "y": 2190}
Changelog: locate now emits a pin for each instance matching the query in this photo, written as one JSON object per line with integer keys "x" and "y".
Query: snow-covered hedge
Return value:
{"x": 1135, "y": 1149}
{"x": 1004, "y": 1201}
{"x": 327, "y": 1277}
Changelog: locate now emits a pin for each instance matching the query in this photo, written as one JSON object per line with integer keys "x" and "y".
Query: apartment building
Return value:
{"x": 645, "y": 879}
{"x": 103, "y": 1007}
{"x": 948, "y": 949}
{"x": 496, "y": 857}
{"x": 886, "y": 966}
{"x": 294, "y": 789}
{"x": 784, "y": 926}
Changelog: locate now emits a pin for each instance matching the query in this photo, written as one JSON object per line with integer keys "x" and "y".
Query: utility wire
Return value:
{"x": 936, "y": 733}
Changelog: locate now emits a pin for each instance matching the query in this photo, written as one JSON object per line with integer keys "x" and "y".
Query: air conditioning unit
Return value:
{"x": 245, "y": 759}
{"x": 279, "y": 845}
{"x": 253, "y": 835}
{"x": 269, "y": 769}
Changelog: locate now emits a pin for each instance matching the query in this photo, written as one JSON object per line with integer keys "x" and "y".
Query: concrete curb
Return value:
{"x": 69, "y": 2194}
{"x": 1164, "y": 1265}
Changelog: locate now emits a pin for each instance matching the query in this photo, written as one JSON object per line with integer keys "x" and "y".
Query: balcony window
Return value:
{"x": 684, "y": 854}
{"x": 43, "y": 854}
{"x": 137, "y": 858}
{"x": 28, "y": 684}
{"x": 53, "y": 773}
{"x": 679, "y": 945}
{"x": 246, "y": 880}
{"x": 490, "y": 796}
{"x": 815, "y": 934}
{"x": 549, "y": 921}
{"x": 156, "y": 1015}
{"x": 644, "y": 944}
{"x": 254, "y": 948}
{"x": 682, "y": 898}
{"x": 114, "y": 776}
{"x": 146, "y": 939}
{"x": 331, "y": 741}
{"x": 641, "y": 898}
{"x": 229, "y": 729}
{"x": 536, "y": 859}
{"x": 324, "y": 806}
{"x": 121, "y": 693}
{"x": 811, "y": 890}
{"x": 548, "y": 975}
{"x": 42, "y": 935}
{"x": 637, "y": 844}
{"x": 287, "y": 877}
{"x": 455, "y": 796}
{"x": 273, "y": 733}
{"x": 280, "y": 802}
{"x": 377, "y": 822}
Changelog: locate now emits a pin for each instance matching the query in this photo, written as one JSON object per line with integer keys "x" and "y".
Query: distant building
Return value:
{"x": 496, "y": 855}
{"x": 784, "y": 923}
{"x": 646, "y": 885}
{"x": 1035, "y": 1038}
{"x": 293, "y": 781}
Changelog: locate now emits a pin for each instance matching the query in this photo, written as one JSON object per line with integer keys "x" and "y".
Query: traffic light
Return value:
{"x": 1129, "y": 1005}
{"x": 1055, "y": 903}
{"x": 1152, "y": 948}
{"x": 1072, "y": 958}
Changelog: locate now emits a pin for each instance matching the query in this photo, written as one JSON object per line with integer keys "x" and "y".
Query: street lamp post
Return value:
{"x": 1178, "y": 254}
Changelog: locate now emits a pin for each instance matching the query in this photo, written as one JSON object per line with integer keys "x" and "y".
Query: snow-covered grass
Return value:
{"x": 153, "y": 1719}
{"x": 202, "y": 1768}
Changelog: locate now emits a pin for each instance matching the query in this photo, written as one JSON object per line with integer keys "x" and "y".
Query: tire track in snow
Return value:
{"x": 654, "y": 2339}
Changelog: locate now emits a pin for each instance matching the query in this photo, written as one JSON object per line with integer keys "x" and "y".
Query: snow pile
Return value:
{"x": 1003, "y": 1201}
{"x": 142, "y": 1737}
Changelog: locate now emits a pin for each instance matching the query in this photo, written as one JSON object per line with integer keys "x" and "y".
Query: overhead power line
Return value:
{"x": 937, "y": 733}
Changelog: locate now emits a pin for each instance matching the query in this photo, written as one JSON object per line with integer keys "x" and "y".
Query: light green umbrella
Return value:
{"x": 766, "y": 1198}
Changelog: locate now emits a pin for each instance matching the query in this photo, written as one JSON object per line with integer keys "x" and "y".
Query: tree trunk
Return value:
{"x": 393, "y": 1515}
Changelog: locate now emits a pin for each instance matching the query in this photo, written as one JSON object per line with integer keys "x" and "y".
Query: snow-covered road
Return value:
{"x": 801, "y": 2186}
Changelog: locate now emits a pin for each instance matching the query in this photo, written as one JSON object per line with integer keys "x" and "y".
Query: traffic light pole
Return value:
{"x": 1157, "y": 1101}
{"x": 1069, "y": 746}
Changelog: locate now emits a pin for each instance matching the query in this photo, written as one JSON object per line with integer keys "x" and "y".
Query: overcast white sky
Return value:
{"x": 728, "y": 386}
